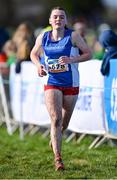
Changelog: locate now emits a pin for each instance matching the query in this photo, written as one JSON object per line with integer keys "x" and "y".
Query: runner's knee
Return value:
{"x": 56, "y": 123}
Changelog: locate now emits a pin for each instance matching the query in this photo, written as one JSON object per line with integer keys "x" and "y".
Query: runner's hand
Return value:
{"x": 41, "y": 70}
{"x": 64, "y": 60}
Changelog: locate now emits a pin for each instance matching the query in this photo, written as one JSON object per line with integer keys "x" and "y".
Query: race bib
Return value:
{"x": 55, "y": 67}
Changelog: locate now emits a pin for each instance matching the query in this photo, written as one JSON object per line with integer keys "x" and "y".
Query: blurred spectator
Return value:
{"x": 9, "y": 49}
{"x": 24, "y": 31}
{"x": 24, "y": 40}
{"x": 3, "y": 57}
{"x": 80, "y": 27}
{"x": 4, "y": 70}
{"x": 3, "y": 66}
{"x": 98, "y": 50}
{"x": 4, "y": 36}
{"x": 102, "y": 27}
{"x": 23, "y": 54}
{"x": 108, "y": 40}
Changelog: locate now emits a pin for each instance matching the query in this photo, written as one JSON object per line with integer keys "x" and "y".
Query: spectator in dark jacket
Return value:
{"x": 108, "y": 40}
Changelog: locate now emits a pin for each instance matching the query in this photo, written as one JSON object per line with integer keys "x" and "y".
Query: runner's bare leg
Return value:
{"x": 68, "y": 107}
{"x": 54, "y": 100}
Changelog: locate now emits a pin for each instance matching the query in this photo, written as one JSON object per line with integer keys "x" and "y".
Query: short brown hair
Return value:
{"x": 57, "y": 7}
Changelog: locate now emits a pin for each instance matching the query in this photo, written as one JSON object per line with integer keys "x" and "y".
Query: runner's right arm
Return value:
{"x": 35, "y": 54}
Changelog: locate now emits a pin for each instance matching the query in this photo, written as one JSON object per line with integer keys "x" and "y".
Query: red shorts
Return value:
{"x": 64, "y": 90}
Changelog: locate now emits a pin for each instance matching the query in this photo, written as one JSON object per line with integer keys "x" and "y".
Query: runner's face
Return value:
{"x": 57, "y": 19}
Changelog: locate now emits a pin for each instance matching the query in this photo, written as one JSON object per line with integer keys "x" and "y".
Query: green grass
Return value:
{"x": 32, "y": 159}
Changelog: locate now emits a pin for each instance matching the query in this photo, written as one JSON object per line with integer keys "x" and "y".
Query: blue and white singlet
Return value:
{"x": 60, "y": 75}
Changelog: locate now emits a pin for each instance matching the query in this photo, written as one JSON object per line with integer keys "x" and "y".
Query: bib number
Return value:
{"x": 55, "y": 67}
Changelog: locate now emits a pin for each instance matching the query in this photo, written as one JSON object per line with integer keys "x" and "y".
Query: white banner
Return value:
{"x": 27, "y": 95}
{"x": 88, "y": 116}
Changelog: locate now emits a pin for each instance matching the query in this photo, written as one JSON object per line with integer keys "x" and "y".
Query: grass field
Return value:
{"x": 32, "y": 159}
